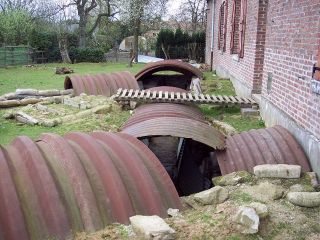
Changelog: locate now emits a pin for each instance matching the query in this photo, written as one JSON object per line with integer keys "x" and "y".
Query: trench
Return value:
{"x": 190, "y": 164}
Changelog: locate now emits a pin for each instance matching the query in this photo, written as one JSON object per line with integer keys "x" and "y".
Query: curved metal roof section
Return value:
{"x": 166, "y": 119}
{"x": 100, "y": 84}
{"x": 156, "y": 110}
{"x": 168, "y": 89}
{"x": 56, "y": 186}
{"x": 273, "y": 145}
{"x": 168, "y": 65}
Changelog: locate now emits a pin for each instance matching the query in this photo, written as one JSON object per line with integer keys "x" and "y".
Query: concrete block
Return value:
{"x": 250, "y": 112}
{"x": 151, "y": 227}
{"x": 277, "y": 171}
{"x": 304, "y": 199}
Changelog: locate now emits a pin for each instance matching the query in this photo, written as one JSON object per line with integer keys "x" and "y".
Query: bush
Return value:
{"x": 54, "y": 55}
{"x": 86, "y": 54}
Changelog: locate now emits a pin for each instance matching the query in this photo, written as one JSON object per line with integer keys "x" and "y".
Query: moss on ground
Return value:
{"x": 241, "y": 197}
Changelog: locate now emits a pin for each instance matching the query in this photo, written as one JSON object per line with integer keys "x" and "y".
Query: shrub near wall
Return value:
{"x": 86, "y": 55}
{"x": 181, "y": 45}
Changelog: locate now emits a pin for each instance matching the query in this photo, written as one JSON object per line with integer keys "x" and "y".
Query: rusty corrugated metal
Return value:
{"x": 100, "y": 84}
{"x": 156, "y": 110}
{"x": 168, "y": 89}
{"x": 264, "y": 146}
{"x": 57, "y": 185}
{"x": 169, "y": 65}
{"x": 166, "y": 119}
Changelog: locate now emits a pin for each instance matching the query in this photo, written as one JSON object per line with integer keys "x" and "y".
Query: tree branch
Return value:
{"x": 96, "y": 23}
{"x": 92, "y": 6}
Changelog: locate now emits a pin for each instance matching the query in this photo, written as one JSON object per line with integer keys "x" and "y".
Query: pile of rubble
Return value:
{"x": 277, "y": 201}
{"x": 50, "y": 112}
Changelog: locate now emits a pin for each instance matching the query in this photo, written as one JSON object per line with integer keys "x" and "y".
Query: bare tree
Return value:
{"x": 137, "y": 11}
{"x": 36, "y": 8}
{"x": 193, "y": 12}
{"x": 62, "y": 34}
{"x": 91, "y": 9}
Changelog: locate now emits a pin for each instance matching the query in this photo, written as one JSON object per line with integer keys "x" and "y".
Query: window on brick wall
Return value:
{"x": 222, "y": 33}
{"x": 235, "y": 20}
{"x": 238, "y": 25}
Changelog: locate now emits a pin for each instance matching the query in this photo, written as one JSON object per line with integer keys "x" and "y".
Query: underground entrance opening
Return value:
{"x": 190, "y": 164}
{"x": 176, "y": 79}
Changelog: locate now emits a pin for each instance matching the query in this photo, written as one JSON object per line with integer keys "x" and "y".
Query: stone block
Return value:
{"x": 304, "y": 199}
{"x": 247, "y": 220}
{"x": 151, "y": 227}
{"x": 213, "y": 195}
{"x": 277, "y": 171}
{"x": 260, "y": 208}
{"x": 250, "y": 112}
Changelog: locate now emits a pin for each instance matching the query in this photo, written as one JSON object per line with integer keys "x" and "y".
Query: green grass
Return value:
{"x": 44, "y": 77}
{"x": 231, "y": 115}
{"x": 216, "y": 85}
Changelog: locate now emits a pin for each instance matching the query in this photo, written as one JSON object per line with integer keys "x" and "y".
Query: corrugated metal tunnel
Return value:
{"x": 100, "y": 84}
{"x": 172, "y": 73}
{"x": 168, "y": 119}
{"x": 181, "y": 139}
{"x": 56, "y": 186}
{"x": 193, "y": 152}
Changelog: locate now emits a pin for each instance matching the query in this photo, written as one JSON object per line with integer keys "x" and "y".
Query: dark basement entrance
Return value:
{"x": 190, "y": 164}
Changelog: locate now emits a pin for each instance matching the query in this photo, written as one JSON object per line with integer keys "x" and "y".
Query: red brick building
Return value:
{"x": 269, "y": 48}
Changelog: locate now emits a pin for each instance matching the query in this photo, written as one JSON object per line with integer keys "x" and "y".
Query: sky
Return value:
{"x": 173, "y": 6}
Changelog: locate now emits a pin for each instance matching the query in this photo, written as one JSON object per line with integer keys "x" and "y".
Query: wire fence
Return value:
{"x": 20, "y": 55}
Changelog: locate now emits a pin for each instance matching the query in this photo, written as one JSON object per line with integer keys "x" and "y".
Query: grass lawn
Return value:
{"x": 44, "y": 77}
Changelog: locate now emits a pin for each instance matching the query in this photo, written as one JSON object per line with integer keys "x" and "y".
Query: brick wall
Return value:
{"x": 260, "y": 46}
{"x": 291, "y": 48}
{"x": 247, "y": 70}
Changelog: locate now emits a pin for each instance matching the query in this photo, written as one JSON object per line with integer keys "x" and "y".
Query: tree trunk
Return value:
{"x": 136, "y": 39}
{"x": 82, "y": 33}
{"x": 63, "y": 46}
{"x": 165, "y": 51}
{"x": 82, "y": 26}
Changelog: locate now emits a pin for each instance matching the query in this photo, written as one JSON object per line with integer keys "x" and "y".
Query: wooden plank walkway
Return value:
{"x": 176, "y": 97}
